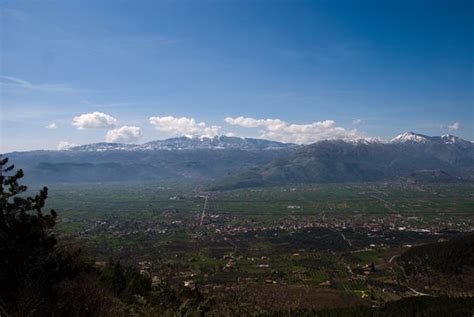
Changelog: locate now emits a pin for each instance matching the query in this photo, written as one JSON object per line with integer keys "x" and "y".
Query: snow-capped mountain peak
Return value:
{"x": 410, "y": 137}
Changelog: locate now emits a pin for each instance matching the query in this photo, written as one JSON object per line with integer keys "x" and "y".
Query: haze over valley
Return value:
{"x": 237, "y": 158}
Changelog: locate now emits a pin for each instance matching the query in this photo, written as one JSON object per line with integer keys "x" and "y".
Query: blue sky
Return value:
{"x": 133, "y": 71}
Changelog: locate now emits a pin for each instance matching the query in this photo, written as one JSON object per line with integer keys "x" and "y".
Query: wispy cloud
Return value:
{"x": 52, "y": 126}
{"x": 18, "y": 83}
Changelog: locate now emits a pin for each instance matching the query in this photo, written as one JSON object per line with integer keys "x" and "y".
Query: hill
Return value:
{"x": 446, "y": 266}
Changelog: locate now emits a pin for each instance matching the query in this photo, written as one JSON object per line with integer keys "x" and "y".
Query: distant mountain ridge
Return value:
{"x": 447, "y": 157}
{"x": 189, "y": 143}
{"x": 252, "y": 144}
{"x": 183, "y": 159}
{"x": 232, "y": 162}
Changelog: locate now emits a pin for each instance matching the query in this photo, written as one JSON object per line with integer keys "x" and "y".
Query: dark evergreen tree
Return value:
{"x": 26, "y": 238}
{"x": 39, "y": 277}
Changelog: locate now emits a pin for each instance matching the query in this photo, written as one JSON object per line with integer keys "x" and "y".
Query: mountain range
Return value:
{"x": 188, "y": 143}
{"x": 409, "y": 156}
{"x": 224, "y": 162}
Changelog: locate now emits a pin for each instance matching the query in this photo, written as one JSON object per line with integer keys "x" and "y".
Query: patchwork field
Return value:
{"x": 315, "y": 246}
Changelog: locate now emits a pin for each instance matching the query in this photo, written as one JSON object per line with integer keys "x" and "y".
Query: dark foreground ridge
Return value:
{"x": 414, "y": 306}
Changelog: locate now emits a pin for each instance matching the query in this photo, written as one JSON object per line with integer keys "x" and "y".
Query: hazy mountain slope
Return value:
{"x": 189, "y": 143}
{"x": 177, "y": 159}
{"x": 339, "y": 161}
{"x": 242, "y": 162}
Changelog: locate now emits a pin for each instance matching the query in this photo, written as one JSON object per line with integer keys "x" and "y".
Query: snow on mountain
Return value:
{"x": 452, "y": 139}
{"x": 368, "y": 141}
{"x": 217, "y": 142}
{"x": 189, "y": 143}
{"x": 249, "y": 144}
{"x": 103, "y": 146}
{"x": 410, "y": 137}
{"x": 211, "y": 158}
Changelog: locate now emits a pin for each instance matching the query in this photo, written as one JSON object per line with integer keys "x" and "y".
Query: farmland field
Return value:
{"x": 339, "y": 241}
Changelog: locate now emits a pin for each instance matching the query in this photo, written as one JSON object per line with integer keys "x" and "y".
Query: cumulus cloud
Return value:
{"x": 455, "y": 126}
{"x": 183, "y": 126}
{"x": 356, "y": 121}
{"x": 246, "y": 122}
{"x": 65, "y": 145}
{"x": 124, "y": 134}
{"x": 94, "y": 120}
{"x": 279, "y": 130}
{"x": 52, "y": 126}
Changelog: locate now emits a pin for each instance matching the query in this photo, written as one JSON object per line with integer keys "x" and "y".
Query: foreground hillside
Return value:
{"x": 407, "y": 307}
{"x": 446, "y": 266}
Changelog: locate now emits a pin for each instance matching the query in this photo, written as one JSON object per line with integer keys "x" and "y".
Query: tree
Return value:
{"x": 40, "y": 277}
{"x": 26, "y": 237}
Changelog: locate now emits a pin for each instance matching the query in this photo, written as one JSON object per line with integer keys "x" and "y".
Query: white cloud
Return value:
{"x": 356, "y": 121}
{"x": 279, "y": 130}
{"x": 51, "y": 126}
{"x": 94, "y": 120}
{"x": 271, "y": 124}
{"x": 124, "y": 134}
{"x": 65, "y": 145}
{"x": 455, "y": 126}
{"x": 183, "y": 126}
